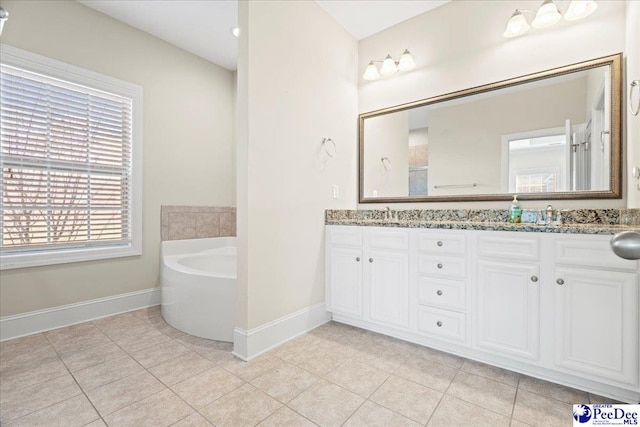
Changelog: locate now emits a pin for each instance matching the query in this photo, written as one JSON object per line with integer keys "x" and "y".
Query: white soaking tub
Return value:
{"x": 198, "y": 286}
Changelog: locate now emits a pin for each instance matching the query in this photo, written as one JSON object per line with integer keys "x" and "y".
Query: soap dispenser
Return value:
{"x": 515, "y": 212}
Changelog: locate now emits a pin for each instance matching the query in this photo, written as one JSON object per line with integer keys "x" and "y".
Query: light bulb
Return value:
{"x": 389, "y": 67}
{"x": 579, "y": 9}
{"x": 371, "y": 73}
{"x": 406, "y": 61}
{"x": 547, "y": 15}
{"x": 517, "y": 25}
{"x": 235, "y": 31}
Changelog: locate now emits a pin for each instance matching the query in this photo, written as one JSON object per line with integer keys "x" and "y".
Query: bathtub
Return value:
{"x": 198, "y": 286}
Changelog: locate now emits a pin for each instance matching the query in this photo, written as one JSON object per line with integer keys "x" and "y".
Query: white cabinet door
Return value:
{"x": 345, "y": 281}
{"x": 389, "y": 287}
{"x": 508, "y": 307}
{"x": 596, "y": 323}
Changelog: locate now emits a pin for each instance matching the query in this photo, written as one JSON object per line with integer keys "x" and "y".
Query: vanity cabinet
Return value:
{"x": 595, "y": 311}
{"x": 368, "y": 274}
{"x": 561, "y": 307}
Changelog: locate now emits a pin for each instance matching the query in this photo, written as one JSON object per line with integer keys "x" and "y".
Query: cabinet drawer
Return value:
{"x": 590, "y": 252}
{"x": 442, "y": 323}
{"x": 389, "y": 239}
{"x": 443, "y": 266}
{"x": 443, "y": 293}
{"x": 442, "y": 243}
{"x": 346, "y": 236}
{"x": 522, "y": 248}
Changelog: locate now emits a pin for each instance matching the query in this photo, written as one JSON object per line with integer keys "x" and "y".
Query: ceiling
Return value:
{"x": 203, "y": 27}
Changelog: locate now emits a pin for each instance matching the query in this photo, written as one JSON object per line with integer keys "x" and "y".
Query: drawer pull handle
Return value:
{"x": 370, "y": 259}
{"x": 358, "y": 259}
{"x": 439, "y": 324}
{"x": 560, "y": 282}
{"x": 534, "y": 279}
{"x": 439, "y": 265}
{"x": 439, "y": 242}
{"x": 439, "y": 292}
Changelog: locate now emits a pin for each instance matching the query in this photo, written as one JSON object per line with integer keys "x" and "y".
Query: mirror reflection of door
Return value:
{"x": 418, "y": 152}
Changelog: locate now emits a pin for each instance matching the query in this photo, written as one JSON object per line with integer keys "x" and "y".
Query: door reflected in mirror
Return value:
{"x": 549, "y": 135}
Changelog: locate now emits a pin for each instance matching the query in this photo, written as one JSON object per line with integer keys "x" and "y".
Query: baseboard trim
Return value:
{"x": 66, "y": 315}
{"x": 252, "y": 343}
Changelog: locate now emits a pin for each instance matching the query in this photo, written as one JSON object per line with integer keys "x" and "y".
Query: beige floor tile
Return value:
{"x": 407, "y": 398}
{"x": 74, "y": 412}
{"x": 456, "y": 412}
{"x": 25, "y": 352}
{"x": 294, "y": 347}
{"x": 285, "y": 417}
{"x": 427, "y": 373}
{"x": 358, "y": 377}
{"x": 246, "y": 406}
{"x": 483, "y": 392}
{"x": 436, "y": 356}
{"x": 214, "y": 351}
{"x": 317, "y": 362}
{"x": 179, "y": 369}
{"x": 284, "y": 382}
{"x": 253, "y": 368}
{"x": 207, "y": 386}
{"x": 542, "y": 411}
{"x": 373, "y": 415}
{"x": 123, "y": 392}
{"x": 326, "y": 404}
{"x": 107, "y": 372}
{"x": 159, "y": 353}
{"x": 116, "y": 325}
{"x": 91, "y": 356}
{"x": 96, "y": 423}
{"x": 387, "y": 359}
{"x": 161, "y": 409}
{"x": 516, "y": 423}
{"x": 594, "y": 398}
{"x": 492, "y": 372}
{"x": 554, "y": 391}
{"x": 193, "y": 420}
{"x": 147, "y": 337}
{"x": 21, "y": 402}
{"x": 77, "y": 338}
{"x": 32, "y": 373}
{"x": 126, "y": 329}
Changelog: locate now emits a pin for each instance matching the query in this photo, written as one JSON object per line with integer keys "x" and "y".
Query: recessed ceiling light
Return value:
{"x": 235, "y": 31}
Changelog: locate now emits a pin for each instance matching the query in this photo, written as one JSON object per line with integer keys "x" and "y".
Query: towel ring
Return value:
{"x": 327, "y": 148}
{"x": 386, "y": 163}
{"x": 634, "y": 84}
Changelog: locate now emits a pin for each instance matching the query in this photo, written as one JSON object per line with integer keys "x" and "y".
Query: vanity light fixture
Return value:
{"x": 389, "y": 66}
{"x": 548, "y": 15}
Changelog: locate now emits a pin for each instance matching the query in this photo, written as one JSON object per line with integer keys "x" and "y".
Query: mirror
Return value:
{"x": 548, "y": 135}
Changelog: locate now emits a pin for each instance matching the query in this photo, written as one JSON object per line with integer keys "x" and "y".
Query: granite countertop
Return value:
{"x": 584, "y": 221}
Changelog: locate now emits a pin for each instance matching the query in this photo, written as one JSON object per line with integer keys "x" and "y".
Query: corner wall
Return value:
{"x": 188, "y": 147}
{"x": 296, "y": 86}
{"x": 460, "y": 45}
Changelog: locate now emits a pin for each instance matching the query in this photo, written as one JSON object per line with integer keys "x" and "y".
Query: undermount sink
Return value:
{"x": 627, "y": 244}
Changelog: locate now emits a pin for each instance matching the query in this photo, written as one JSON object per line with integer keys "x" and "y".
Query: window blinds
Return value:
{"x": 66, "y": 158}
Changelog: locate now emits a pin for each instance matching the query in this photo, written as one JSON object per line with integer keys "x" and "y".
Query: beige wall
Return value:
{"x": 297, "y": 83}
{"x": 472, "y": 52}
{"x": 387, "y": 136}
{"x": 187, "y": 140}
{"x": 633, "y": 122}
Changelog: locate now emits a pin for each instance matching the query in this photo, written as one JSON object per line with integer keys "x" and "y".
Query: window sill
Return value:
{"x": 53, "y": 257}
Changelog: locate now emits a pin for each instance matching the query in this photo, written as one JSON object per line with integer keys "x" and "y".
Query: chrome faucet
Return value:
{"x": 549, "y": 215}
{"x": 387, "y": 213}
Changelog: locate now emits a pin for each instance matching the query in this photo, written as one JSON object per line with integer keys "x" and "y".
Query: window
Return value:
{"x": 70, "y": 148}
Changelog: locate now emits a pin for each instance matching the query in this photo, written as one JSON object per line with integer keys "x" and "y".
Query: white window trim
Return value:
{"x": 10, "y": 55}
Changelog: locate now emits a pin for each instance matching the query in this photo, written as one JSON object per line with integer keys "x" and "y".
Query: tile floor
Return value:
{"x": 135, "y": 370}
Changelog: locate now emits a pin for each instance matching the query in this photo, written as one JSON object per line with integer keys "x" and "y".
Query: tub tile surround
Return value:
{"x": 581, "y": 221}
{"x": 196, "y": 222}
{"x": 374, "y": 380}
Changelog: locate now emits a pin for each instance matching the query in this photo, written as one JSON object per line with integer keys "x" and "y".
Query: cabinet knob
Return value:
{"x": 439, "y": 324}
{"x": 534, "y": 279}
{"x": 439, "y": 242}
{"x": 439, "y": 265}
{"x": 439, "y": 292}
{"x": 370, "y": 259}
{"x": 560, "y": 282}
{"x": 358, "y": 259}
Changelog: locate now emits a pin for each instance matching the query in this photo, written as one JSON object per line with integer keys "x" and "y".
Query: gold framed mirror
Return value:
{"x": 554, "y": 134}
